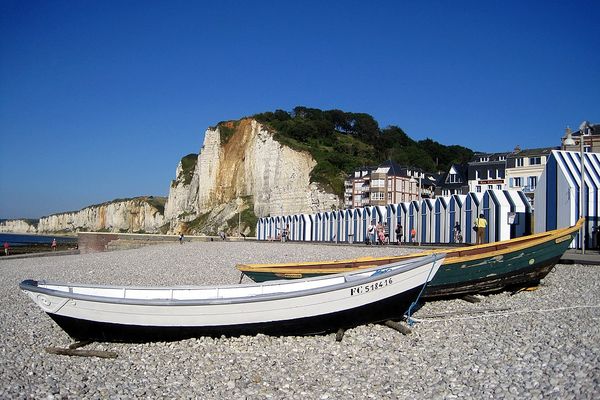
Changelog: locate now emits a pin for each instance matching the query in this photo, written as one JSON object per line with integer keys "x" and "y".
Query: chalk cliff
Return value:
{"x": 140, "y": 214}
{"x": 240, "y": 173}
{"x": 18, "y": 226}
{"x": 241, "y": 166}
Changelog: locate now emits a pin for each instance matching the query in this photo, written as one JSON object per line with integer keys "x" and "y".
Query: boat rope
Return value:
{"x": 502, "y": 314}
{"x": 408, "y": 312}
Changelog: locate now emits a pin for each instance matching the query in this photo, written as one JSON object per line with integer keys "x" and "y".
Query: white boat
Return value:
{"x": 286, "y": 307}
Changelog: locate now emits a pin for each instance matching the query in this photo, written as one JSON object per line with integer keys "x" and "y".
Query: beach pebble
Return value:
{"x": 538, "y": 344}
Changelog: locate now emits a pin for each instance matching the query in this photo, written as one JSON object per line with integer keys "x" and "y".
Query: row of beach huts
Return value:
{"x": 509, "y": 214}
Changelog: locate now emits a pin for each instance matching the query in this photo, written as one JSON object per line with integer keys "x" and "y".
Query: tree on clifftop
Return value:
{"x": 342, "y": 141}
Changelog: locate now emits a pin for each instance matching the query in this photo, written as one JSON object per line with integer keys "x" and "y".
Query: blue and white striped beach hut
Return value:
{"x": 520, "y": 217}
{"x": 348, "y": 225}
{"x": 260, "y": 229}
{"x": 392, "y": 220}
{"x": 402, "y": 219}
{"x": 496, "y": 210}
{"x": 441, "y": 227}
{"x": 413, "y": 214}
{"x": 359, "y": 224}
{"x": 427, "y": 216}
{"x": 455, "y": 214}
{"x": 558, "y": 190}
{"x": 472, "y": 209}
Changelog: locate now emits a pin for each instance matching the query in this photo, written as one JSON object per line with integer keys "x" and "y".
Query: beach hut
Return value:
{"x": 306, "y": 227}
{"x": 326, "y": 226}
{"x": 293, "y": 232}
{"x": 456, "y": 214}
{"x": 496, "y": 210}
{"x": 412, "y": 220}
{"x": 557, "y": 194}
{"x": 260, "y": 228}
{"x": 392, "y": 220}
{"x": 340, "y": 229}
{"x": 427, "y": 218}
{"x": 402, "y": 219}
{"x": 318, "y": 227}
{"x": 441, "y": 226}
{"x": 348, "y": 223}
{"x": 359, "y": 224}
{"x": 472, "y": 209}
{"x": 367, "y": 220}
{"x": 520, "y": 214}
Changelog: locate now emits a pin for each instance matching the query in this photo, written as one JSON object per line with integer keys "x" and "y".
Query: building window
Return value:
{"x": 490, "y": 187}
{"x": 478, "y": 189}
{"x": 389, "y": 196}
{"x": 518, "y": 182}
{"x": 453, "y": 178}
{"x": 499, "y": 187}
{"x": 378, "y": 183}
{"x": 502, "y": 158}
{"x": 519, "y": 162}
{"x": 535, "y": 160}
{"x": 532, "y": 182}
{"x": 484, "y": 159}
{"x": 377, "y": 196}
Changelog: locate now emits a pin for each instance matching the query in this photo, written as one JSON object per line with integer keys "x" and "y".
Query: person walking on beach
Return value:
{"x": 370, "y": 232}
{"x": 457, "y": 233}
{"x": 413, "y": 235}
{"x": 386, "y": 232}
{"x": 399, "y": 233}
{"x": 481, "y": 225}
{"x": 380, "y": 234}
{"x": 181, "y": 238}
{"x": 6, "y": 248}
{"x": 53, "y": 244}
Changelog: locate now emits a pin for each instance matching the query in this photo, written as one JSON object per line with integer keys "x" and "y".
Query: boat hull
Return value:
{"x": 390, "y": 308}
{"x": 470, "y": 270}
{"x": 301, "y": 307}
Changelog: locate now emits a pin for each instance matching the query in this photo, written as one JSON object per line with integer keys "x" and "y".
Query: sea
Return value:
{"x": 17, "y": 239}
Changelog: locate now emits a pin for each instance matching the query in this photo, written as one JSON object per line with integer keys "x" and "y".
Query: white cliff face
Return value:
{"x": 129, "y": 215}
{"x": 251, "y": 163}
{"x": 279, "y": 178}
{"x": 17, "y": 226}
{"x": 179, "y": 206}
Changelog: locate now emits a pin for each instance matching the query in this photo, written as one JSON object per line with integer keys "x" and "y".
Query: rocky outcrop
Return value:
{"x": 247, "y": 168}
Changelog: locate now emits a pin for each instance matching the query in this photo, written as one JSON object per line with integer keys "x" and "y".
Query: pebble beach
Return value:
{"x": 541, "y": 344}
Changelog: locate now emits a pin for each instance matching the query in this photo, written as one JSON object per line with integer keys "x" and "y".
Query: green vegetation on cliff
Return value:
{"x": 342, "y": 141}
{"x": 188, "y": 165}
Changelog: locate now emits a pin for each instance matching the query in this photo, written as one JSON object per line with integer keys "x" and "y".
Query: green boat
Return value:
{"x": 484, "y": 268}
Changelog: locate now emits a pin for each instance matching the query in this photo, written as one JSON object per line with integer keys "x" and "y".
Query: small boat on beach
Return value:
{"x": 484, "y": 268}
{"x": 307, "y": 306}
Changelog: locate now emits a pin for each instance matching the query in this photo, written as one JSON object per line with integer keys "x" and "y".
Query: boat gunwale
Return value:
{"x": 27, "y": 285}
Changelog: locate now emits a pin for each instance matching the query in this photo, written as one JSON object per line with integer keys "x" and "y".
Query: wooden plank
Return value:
{"x": 81, "y": 353}
{"x": 403, "y": 329}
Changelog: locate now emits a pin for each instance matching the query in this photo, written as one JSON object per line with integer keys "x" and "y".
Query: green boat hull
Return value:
{"x": 519, "y": 268}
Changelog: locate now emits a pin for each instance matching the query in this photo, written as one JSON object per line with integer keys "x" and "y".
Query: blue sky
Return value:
{"x": 100, "y": 99}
